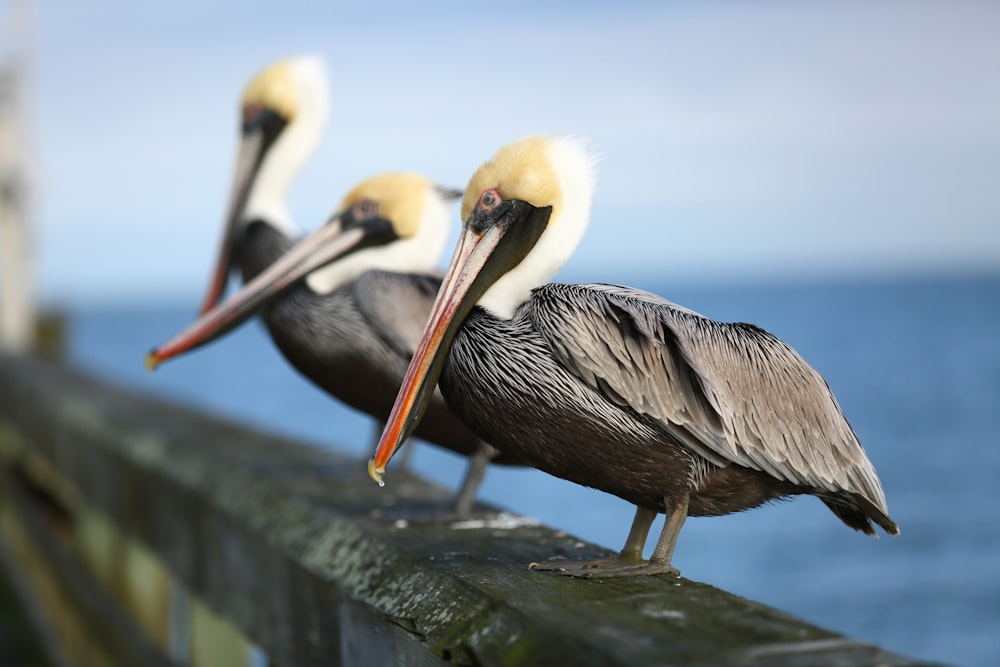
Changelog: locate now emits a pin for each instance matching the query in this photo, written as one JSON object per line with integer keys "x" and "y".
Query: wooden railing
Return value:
{"x": 144, "y": 533}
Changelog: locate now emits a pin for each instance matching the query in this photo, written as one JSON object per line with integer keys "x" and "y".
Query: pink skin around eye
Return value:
{"x": 364, "y": 209}
{"x": 250, "y": 111}
{"x": 489, "y": 198}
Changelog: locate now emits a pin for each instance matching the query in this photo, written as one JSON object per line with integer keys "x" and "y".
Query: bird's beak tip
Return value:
{"x": 375, "y": 472}
{"x": 152, "y": 363}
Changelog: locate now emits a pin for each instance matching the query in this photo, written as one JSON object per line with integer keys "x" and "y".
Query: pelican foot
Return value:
{"x": 606, "y": 568}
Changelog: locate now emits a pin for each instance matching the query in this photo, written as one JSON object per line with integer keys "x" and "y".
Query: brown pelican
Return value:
{"x": 283, "y": 113}
{"x": 350, "y": 327}
{"x": 613, "y": 387}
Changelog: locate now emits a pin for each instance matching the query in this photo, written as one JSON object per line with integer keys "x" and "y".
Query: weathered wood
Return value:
{"x": 20, "y": 640}
{"x": 110, "y": 634}
{"x": 297, "y": 548}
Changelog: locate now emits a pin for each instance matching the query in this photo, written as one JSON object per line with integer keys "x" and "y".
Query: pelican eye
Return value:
{"x": 364, "y": 209}
{"x": 489, "y": 199}
{"x": 251, "y": 114}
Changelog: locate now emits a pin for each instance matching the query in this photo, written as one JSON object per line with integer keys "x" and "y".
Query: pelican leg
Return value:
{"x": 663, "y": 552}
{"x": 627, "y": 563}
{"x": 659, "y": 561}
{"x": 465, "y": 497}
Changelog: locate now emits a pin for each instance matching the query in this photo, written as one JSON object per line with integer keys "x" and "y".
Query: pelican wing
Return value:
{"x": 730, "y": 392}
{"x": 397, "y": 306}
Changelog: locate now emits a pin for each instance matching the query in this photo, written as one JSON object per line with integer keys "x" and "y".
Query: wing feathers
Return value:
{"x": 731, "y": 392}
{"x": 396, "y": 305}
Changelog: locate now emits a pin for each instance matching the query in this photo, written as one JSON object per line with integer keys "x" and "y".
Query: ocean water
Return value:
{"x": 914, "y": 364}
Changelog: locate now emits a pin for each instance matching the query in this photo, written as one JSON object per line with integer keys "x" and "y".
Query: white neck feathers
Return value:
{"x": 293, "y": 147}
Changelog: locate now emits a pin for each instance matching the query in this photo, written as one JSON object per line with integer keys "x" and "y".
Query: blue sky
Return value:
{"x": 740, "y": 141}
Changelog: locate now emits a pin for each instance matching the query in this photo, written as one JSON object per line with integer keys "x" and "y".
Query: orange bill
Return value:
{"x": 247, "y": 163}
{"x": 325, "y": 245}
{"x": 459, "y": 292}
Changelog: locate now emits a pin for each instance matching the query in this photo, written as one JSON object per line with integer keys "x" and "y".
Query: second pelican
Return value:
{"x": 347, "y": 305}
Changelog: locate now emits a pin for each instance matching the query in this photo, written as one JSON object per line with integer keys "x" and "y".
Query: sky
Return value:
{"x": 740, "y": 141}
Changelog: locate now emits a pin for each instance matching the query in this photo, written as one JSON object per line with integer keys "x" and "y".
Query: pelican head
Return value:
{"x": 394, "y": 221}
{"x": 283, "y": 112}
{"x": 415, "y": 213}
{"x": 525, "y": 211}
{"x": 536, "y": 192}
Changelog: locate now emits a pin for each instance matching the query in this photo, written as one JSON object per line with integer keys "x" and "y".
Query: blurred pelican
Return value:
{"x": 283, "y": 114}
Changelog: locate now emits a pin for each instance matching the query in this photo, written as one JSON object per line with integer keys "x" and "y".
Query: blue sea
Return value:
{"x": 915, "y": 365}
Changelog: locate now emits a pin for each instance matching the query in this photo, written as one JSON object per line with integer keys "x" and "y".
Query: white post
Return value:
{"x": 17, "y": 312}
{"x": 17, "y": 305}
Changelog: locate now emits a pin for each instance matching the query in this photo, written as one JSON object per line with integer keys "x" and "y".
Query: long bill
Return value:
{"x": 326, "y": 244}
{"x": 465, "y": 281}
{"x": 247, "y": 163}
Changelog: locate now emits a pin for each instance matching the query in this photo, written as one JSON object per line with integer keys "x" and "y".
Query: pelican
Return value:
{"x": 348, "y": 326}
{"x": 613, "y": 387}
{"x": 284, "y": 110}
